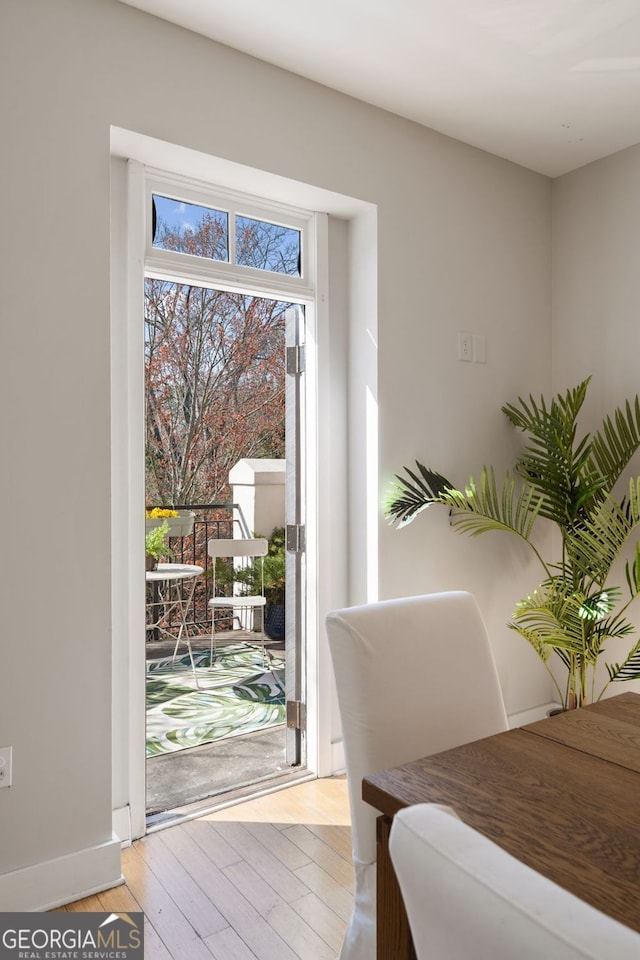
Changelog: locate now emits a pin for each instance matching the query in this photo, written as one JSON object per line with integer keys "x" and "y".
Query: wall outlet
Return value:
{"x": 5, "y": 766}
{"x": 472, "y": 347}
{"x": 465, "y": 347}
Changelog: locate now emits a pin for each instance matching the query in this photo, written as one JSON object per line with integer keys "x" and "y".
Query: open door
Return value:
{"x": 295, "y": 539}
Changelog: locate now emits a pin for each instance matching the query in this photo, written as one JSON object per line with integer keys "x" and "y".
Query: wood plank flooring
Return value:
{"x": 269, "y": 879}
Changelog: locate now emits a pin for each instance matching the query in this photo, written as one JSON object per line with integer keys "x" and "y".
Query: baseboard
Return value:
{"x": 53, "y": 883}
{"x": 337, "y": 757}
{"x": 121, "y": 825}
{"x": 532, "y": 715}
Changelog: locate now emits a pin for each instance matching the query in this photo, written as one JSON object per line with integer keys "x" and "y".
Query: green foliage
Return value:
{"x": 275, "y": 568}
{"x": 155, "y": 541}
{"x": 269, "y": 571}
{"x": 567, "y": 479}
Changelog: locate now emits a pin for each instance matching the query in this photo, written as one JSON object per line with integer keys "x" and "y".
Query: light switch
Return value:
{"x": 479, "y": 348}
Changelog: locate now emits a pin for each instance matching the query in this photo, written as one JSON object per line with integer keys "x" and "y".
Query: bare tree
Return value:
{"x": 214, "y": 372}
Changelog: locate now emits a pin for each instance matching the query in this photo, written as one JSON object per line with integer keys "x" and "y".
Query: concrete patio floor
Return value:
{"x": 187, "y": 776}
{"x": 215, "y": 770}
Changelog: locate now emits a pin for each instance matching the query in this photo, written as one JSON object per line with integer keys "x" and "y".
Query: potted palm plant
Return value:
{"x": 566, "y": 479}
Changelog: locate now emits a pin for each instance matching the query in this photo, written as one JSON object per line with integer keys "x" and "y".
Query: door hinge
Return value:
{"x": 295, "y": 537}
{"x": 295, "y": 359}
{"x": 295, "y": 714}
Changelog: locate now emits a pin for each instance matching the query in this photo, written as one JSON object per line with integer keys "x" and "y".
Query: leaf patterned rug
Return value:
{"x": 236, "y": 696}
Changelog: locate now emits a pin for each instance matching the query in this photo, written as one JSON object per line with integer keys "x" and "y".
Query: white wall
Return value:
{"x": 258, "y": 488}
{"x": 463, "y": 243}
{"x": 596, "y": 298}
{"x": 596, "y": 289}
{"x": 478, "y": 261}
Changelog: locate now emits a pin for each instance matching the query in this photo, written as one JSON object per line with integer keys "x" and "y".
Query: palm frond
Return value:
{"x": 634, "y": 501}
{"x": 554, "y": 461}
{"x": 565, "y": 657}
{"x": 554, "y": 618}
{"x": 629, "y": 669}
{"x": 539, "y": 643}
{"x": 478, "y": 509}
{"x": 599, "y": 605}
{"x": 632, "y": 573}
{"x": 613, "y": 446}
{"x": 593, "y": 548}
{"x": 614, "y": 628}
{"x": 409, "y": 497}
{"x": 544, "y": 422}
{"x": 609, "y": 629}
{"x": 483, "y": 507}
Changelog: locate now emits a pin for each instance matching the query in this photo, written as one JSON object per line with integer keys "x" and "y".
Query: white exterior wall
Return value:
{"x": 258, "y": 488}
{"x": 462, "y": 242}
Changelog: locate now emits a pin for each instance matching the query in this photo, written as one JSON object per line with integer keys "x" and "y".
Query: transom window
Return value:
{"x": 244, "y": 238}
{"x": 190, "y": 228}
{"x": 267, "y": 246}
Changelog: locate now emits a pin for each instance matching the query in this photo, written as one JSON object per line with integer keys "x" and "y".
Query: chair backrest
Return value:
{"x": 248, "y": 547}
{"x": 466, "y": 897}
{"x": 414, "y": 676}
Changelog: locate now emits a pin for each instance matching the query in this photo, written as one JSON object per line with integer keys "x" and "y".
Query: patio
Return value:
{"x": 218, "y": 728}
{"x": 208, "y": 753}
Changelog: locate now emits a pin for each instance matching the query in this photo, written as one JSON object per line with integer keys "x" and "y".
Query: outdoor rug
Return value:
{"x": 236, "y": 696}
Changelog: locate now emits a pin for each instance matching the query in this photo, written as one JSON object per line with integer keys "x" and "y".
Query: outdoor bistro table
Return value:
{"x": 174, "y": 586}
{"x": 561, "y": 795}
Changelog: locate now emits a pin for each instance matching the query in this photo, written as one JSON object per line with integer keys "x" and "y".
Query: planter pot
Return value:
{"x": 274, "y": 621}
{"x": 571, "y": 705}
{"x": 180, "y": 526}
{"x": 150, "y": 562}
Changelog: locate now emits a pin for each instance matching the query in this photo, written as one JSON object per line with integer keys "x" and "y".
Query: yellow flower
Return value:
{"x": 158, "y": 513}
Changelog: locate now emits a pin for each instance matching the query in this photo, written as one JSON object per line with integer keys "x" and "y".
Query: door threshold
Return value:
{"x": 169, "y": 818}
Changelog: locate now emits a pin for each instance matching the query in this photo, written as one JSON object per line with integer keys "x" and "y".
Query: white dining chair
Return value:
{"x": 467, "y": 898}
{"x": 242, "y": 598}
{"x": 414, "y": 676}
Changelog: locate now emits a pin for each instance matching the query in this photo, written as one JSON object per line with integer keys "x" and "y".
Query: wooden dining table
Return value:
{"x": 562, "y": 795}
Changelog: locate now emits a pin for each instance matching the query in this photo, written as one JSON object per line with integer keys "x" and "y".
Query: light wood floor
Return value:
{"x": 269, "y": 879}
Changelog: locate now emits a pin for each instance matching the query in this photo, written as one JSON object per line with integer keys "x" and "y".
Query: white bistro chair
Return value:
{"x": 414, "y": 676}
{"x": 467, "y": 898}
{"x": 242, "y": 610}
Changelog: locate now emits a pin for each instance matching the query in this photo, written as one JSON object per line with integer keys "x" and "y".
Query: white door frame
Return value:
{"x": 338, "y": 399}
{"x": 132, "y": 540}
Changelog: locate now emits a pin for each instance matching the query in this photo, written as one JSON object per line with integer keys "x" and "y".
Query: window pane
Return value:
{"x": 190, "y": 228}
{"x": 267, "y": 246}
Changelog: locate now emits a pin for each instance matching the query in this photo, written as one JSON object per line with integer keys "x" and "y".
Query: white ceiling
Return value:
{"x": 550, "y": 84}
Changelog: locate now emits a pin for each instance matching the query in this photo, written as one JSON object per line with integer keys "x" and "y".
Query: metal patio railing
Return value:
{"x": 211, "y": 521}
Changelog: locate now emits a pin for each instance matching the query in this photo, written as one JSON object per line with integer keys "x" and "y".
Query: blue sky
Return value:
{"x": 181, "y": 216}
